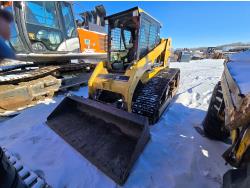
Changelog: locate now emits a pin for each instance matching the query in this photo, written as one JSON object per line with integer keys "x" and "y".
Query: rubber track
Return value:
{"x": 30, "y": 178}
{"x": 148, "y": 97}
{"x": 214, "y": 122}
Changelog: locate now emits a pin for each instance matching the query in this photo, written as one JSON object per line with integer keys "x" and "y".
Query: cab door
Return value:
{"x": 69, "y": 28}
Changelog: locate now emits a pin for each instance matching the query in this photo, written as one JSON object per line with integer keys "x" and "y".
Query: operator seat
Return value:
{"x": 122, "y": 64}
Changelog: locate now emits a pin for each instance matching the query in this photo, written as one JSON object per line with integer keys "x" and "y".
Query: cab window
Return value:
{"x": 15, "y": 41}
{"x": 42, "y": 25}
{"x": 68, "y": 19}
{"x": 42, "y": 13}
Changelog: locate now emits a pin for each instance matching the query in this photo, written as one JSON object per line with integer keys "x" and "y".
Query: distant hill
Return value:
{"x": 234, "y": 45}
{"x": 220, "y": 47}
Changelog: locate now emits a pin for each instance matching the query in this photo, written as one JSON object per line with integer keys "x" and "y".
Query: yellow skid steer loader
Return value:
{"x": 126, "y": 93}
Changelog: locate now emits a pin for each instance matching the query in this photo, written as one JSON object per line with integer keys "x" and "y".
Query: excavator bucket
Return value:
{"x": 110, "y": 138}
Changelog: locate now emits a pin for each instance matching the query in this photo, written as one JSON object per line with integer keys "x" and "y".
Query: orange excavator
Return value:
{"x": 91, "y": 31}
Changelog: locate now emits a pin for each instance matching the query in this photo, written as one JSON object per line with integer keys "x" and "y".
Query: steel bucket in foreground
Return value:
{"x": 110, "y": 138}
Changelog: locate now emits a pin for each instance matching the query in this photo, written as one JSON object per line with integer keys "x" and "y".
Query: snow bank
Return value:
{"x": 240, "y": 57}
{"x": 240, "y": 73}
{"x": 239, "y": 67}
{"x": 176, "y": 155}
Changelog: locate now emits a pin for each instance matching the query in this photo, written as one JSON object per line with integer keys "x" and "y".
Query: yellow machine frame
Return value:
{"x": 142, "y": 70}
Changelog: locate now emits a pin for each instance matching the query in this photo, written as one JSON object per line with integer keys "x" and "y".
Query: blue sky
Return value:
{"x": 190, "y": 24}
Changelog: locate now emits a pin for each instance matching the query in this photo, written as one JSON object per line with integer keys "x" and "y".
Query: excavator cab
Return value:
{"x": 46, "y": 31}
{"x": 43, "y": 27}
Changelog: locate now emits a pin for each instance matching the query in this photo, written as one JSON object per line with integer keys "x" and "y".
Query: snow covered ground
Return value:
{"x": 239, "y": 67}
{"x": 176, "y": 155}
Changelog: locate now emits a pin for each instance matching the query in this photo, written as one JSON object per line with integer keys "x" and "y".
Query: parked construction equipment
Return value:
{"x": 213, "y": 53}
{"x": 45, "y": 28}
{"x": 184, "y": 56}
{"x": 45, "y": 39}
{"x": 229, "y": 114}
{"x": 91, "y": 31}
{"x": 45, "y": 32}
{"x": 135, "y": 85}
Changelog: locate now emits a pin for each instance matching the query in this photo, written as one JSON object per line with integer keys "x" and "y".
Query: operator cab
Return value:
{"x": 131, "y": 35}
{"x": 43, "y": 27}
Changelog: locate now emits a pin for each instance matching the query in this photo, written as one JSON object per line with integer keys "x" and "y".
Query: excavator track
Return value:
{"x": 152, "y": 98}
{"x": 76, "y": 74}
{"x": 25, "y": 76}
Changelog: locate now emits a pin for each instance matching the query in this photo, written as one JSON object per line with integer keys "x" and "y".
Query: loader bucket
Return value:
{"x": 110, "y": 138}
